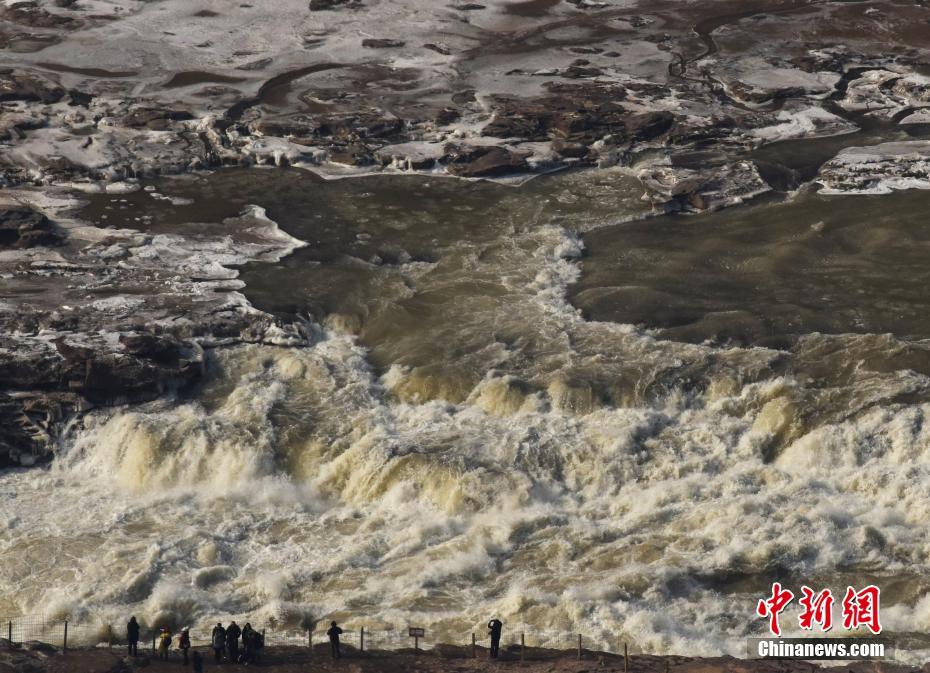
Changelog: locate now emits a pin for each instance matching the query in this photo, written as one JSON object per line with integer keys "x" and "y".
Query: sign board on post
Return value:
{"x": 416, "y": 633}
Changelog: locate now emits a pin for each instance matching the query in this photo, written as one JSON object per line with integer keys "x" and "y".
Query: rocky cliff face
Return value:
{"x": 101, "y": 317}
{"x": 52, "y": 379}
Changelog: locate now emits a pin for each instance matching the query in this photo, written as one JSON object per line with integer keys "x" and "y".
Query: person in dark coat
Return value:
{"x": 232, "y": 641}
{"x": 218, "y": 641}
{"x": 334, "y": 633}
{"x": 197, "y": 662}
{"x": 248, "y": 642}
{"x": 132, "y": 635}
{"x": 495, "y": 626}
{"x": 184, "y": 643}
{"x": 258, "y": 644}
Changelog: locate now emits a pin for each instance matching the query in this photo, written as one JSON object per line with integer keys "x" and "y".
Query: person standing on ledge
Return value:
{"x": 232, "y": 641}
{"x": 164, "y": 643}
{"x": 495, "y": 626}
{"x": 248, "y": 642}
{"x": 333, "y": 633}
{"x": 132, "y": 635}
{"x": 184, "y": 643}
{"x": 218, "y": 640}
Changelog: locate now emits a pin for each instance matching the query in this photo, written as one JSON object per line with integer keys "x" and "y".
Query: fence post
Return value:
{"x": 666, "y": 666}
{"x": 110, "y": 636}
{"x": 361, "y": 639}
{"x": 154, "y": 649}
{"x": 310, "y": 639}
{"x": 522, "y": 646}
{"x": 474, "y": 652}
{"x": 9, "y": 631}
{"x": 626, "y": 659}
{"x": 579, "y": 646}
{"x": 64, "y": 643}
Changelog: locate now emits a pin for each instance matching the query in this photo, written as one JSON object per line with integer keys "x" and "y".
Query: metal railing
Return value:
{"x": 517, "y": 639}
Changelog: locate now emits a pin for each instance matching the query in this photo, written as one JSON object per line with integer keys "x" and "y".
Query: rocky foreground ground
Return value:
{"x": 98, "y": 94}
{"x": 442, "y": 659}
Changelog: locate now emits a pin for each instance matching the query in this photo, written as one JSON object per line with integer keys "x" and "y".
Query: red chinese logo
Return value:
{"x": 772, "y": 607}
{"x": 860, "y": 608}
{"x": 818, "y": 609}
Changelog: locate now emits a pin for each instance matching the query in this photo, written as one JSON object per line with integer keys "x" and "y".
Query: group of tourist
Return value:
{"x": 231, "y": 644}
{"x": 226, "y": 642}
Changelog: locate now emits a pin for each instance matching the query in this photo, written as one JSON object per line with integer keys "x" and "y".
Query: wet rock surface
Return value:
{"x": 476, "y": 162}
{"x": 94, "y": 317}
{"x": 29, "y": 88}
{"x": 26, "y": 228}
{"x": 562, "y": 85}
{"x": 878, "y": 169}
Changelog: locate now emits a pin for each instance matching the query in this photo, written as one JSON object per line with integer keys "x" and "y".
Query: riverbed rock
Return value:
{"x": 119, "y": 317}
{"x": 411, "y": 156}
{"x": 878, "y": 169}
{"x": 570, "y": 112}
{"x": 476, "y": 162}
{"x": 296, "y": 126}
{"x": 320, "y": 5}
{"x": 648, "y": 125}
{"x": 154, "y": 118}
{"x": 382, "y": 43}
{"x": 755, "y": 81}
{"x": 640, "y": 84}
{"x": 351, "y": 154}
{"x": 30, "y": 13}
{"x": 15, "y": 86}
{"x": 886, "y": 94}
{"x": 26, "y": 228}
{"x": 693, "y": 190}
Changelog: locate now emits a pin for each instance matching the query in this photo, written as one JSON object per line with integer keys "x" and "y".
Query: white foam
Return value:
{"x": 297, "y": 485}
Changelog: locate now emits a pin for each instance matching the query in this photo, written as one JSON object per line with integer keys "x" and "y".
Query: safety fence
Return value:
{"x": 518, "y": 638}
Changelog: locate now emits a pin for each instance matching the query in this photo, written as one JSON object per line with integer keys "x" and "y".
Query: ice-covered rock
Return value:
{"x": 680, "y": 188}
{"x": 123, "y": 316}
{"x": 753, "y": 80}
{"x": 878, "y": 169}
{"x": 803, "y": 122}
{"x": 886, "y": 94}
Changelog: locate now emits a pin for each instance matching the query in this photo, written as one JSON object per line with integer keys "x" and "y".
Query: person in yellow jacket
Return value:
{"x": 164, "y": 642}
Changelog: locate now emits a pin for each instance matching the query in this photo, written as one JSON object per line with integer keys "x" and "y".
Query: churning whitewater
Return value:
{"x": 458, "y": 438}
